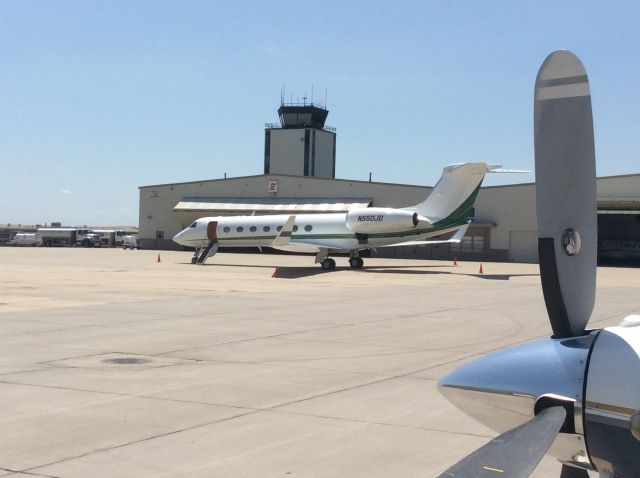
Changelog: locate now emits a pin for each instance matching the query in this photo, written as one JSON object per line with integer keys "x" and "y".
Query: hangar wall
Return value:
{"x": 158, "y": 224}
{"x": 509, "y": 208}
{"x": 512, "y": 210}
{"x": 505, "y": 216}
{"x": 625, "y": 186}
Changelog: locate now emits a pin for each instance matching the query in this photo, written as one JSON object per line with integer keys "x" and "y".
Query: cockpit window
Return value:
{"x": 194, "y": 224}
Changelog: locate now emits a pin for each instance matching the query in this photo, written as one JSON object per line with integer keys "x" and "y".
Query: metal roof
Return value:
{"x": 271, "y": 205}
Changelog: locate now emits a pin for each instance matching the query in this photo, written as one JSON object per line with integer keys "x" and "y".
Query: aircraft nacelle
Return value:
{"x": 595, "y": 377}
{"x": 382, "y": 219}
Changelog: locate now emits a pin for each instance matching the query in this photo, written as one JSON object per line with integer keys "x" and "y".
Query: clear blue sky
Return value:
{"x": 100, "y": 97}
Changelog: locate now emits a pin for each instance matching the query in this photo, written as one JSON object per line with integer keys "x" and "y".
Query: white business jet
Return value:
{"x": 446, "y": 209}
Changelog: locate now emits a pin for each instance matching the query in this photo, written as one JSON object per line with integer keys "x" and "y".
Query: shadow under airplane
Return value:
{"x": 301, "y": 272}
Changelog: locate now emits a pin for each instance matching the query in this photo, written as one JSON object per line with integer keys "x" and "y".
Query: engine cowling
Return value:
{"x": 381, "y": 219}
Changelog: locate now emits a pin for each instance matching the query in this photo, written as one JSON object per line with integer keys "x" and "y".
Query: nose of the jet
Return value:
{"x": 178, "y": 237}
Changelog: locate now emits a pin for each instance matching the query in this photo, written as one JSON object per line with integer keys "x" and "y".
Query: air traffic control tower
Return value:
{"x": 301, "y": 144}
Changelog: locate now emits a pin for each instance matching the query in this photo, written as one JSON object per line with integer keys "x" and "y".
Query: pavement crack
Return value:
{"x": 384, "y": 424}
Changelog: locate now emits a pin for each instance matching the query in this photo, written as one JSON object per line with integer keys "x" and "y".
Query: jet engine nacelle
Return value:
{"x": 382, "y": 219}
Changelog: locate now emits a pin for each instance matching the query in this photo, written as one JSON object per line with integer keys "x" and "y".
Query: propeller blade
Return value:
{"x": 515, "y": 453}
{"x": 571, "y": 472}
{"x": 565, "y": 192}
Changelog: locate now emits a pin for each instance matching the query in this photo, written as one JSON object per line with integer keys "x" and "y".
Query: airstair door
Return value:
{"x": 211, "y": 230}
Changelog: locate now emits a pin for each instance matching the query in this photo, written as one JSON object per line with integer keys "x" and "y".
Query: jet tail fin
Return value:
{"x": 454, "y": 194}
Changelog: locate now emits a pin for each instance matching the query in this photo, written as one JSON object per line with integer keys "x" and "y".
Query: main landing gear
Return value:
{"x": 328, "y": 264}
{"x": 355, "y": 261}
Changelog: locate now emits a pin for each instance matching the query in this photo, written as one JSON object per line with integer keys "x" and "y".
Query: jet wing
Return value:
{"x": 456, "y": 238}
{"x": 284, "y": 236}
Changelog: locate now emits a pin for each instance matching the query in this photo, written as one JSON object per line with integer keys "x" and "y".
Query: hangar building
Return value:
{"x": 299, "y": 177}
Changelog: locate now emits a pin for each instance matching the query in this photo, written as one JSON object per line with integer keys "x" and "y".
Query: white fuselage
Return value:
{"x": 447, "y": 208}
{"x": 311, "y": 233}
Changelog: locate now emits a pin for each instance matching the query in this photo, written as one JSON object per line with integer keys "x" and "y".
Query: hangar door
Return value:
{"x": 523, "y": 246}
{"x": 619, "y": 238}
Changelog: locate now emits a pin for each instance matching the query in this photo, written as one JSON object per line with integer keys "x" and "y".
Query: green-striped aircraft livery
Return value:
{"x": 446, "y": 209}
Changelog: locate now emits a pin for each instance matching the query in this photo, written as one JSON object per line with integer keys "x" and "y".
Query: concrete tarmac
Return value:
{"x": 115, "y": 365}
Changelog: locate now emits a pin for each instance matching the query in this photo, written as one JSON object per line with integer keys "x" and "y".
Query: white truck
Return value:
{"x": 130, "y": 242}
{"x": 111, "y": 237}
{"x": 26, "y": 239}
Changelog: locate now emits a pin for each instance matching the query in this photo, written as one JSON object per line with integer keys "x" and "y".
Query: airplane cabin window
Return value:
{"x": 253, "y": 228}
{"x": 239, "y": 229}
{"x": 266, "y": 228}
{"x": 295, "y": 228}
{"x": 226, "y": 229}
{"x": 308, "y": 227}
{"x": 279, "y": 228}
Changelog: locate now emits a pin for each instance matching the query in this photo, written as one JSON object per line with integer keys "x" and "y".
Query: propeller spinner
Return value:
{"x": 577, "y": 392}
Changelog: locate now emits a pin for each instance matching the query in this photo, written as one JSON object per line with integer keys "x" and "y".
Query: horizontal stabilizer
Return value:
{"x": 455, "y": 239}
{"x": 503, "y": 170}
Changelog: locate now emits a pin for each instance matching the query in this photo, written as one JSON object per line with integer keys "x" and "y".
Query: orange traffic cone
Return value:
{"x": 480, "y": 271}
{"x": 158, "y": 258}
{"x": 276, "y": 273}
{"x": 455, "y": 261}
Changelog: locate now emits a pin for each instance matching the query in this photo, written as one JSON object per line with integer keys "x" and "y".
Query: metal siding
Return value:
{"x": 523, "y": 246}
{"x": 509, "y": 208}
{"x": 619, "y": 187}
